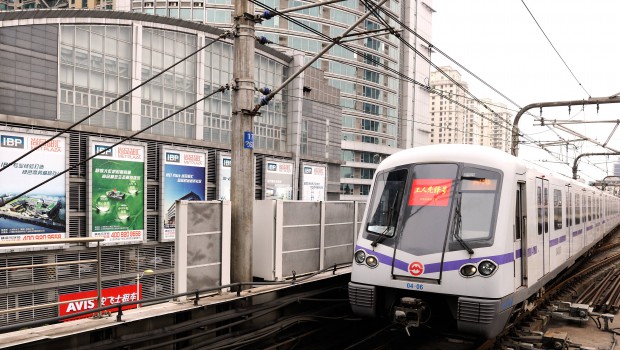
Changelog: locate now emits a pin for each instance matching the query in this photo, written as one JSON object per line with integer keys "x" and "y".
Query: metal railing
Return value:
{"x": 198, "y": 294}
{"x": 85, "y": 240}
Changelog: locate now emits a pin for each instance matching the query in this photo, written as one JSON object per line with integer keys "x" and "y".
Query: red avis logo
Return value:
{"x": 416, "y": 268}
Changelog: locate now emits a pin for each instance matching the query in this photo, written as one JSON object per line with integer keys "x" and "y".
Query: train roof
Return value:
{"x": 452, "y": 152}
{"x": 472, "y": 154}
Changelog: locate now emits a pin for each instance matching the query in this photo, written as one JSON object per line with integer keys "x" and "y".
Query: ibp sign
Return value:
{"x": 83, "y": 301}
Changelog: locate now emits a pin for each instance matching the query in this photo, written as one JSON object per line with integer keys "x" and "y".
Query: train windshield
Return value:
{"x": 426, "y": 212}
{"x": 426, "y": 208}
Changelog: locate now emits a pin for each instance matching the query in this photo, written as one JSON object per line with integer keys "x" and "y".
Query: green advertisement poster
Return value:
{"x": 117, "y": 199}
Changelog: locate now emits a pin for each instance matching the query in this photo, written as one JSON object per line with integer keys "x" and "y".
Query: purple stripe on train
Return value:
{"x": 557, "y": 241}
{"x": 434, "y": 267}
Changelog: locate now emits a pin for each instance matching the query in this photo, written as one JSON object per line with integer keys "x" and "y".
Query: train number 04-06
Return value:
{"x": 417, "y": 286}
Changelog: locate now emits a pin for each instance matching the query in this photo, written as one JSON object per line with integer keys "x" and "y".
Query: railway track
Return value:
{"x": 588, "y": 290}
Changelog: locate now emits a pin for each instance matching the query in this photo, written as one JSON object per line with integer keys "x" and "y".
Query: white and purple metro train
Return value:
{"x": 469, "y": 233}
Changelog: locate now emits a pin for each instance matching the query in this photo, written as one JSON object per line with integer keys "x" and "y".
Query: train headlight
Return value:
{"x": 468, "y": 270}
{"x": 360, "y": 256}
{"x": 487, "y": 267}
{"x": 372, "y": 261}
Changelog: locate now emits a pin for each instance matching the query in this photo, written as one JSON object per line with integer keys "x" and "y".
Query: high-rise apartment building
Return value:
{"x": 496, "y": 125}
{"x": 381, "y": 111}
{"x": 458, "y": 118}
{"x": 451, "y": 121}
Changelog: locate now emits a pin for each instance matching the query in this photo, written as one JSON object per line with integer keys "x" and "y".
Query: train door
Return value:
{"x": 542, "y": 194}
{"x": 521, "y": 236}
{"x": 577, "y": 235}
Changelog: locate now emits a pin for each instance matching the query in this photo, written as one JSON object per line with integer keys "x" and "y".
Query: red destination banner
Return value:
{"x": 433, "y": 192}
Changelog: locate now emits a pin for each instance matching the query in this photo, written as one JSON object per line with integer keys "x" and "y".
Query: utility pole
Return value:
{"x": 242, "y": 179}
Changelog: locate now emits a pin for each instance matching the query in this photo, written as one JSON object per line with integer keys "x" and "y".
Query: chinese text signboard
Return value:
{"x": 278, "y": 179}
{"x": 109, "y": 296}
{"x": 224, "y": 171}
{"x": 117, "y": 185}
{"x": 41, "y": 213}
{"x": 183, "y": 179}
{"x": 313, "y": 180}
{"x": 430, "y": 192}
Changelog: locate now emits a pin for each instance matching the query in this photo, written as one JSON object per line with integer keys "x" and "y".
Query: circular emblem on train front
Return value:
{"x": 416, "y": 268}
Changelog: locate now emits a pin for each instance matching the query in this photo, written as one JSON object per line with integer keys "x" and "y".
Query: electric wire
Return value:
{"x": 430, "y": 45}
{"x": 220, "y": 37}
{"x": 222, "y": 88}
{"x": 556, "y": 51}
{"x": 363, "y": 54}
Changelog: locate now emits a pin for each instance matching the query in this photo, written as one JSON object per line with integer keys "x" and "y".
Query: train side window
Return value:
{"x": 589, "y": 208}
{"x": 518, "y": 216}
{"x": 520, "y": 212}
{"x": 577, "y": 209}
{"x": 569, "y": 209}
{"x": 546, "y": 208}
{"x": 557, "y": 209}
{"x": 540, "y": 209}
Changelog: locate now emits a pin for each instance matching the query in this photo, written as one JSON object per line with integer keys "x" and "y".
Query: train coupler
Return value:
{"x": 411, "y": 312}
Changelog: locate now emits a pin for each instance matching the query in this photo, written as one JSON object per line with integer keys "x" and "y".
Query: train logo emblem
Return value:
{"x": 416, "y": 268}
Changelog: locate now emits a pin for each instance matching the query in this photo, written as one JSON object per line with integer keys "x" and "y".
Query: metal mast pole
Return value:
{"x": 242, "y": 179}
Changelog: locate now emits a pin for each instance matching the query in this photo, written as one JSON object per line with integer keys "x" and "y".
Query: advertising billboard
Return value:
{"x": 117, "y": 187}
{"x": 224, "y": 170}
{"x": 278, "y": 179}
{"x": 313, "y": 181}
{"x": 184, "y": 178}
{"x": 83, "y": 301}
{"x": 41, "y": 213}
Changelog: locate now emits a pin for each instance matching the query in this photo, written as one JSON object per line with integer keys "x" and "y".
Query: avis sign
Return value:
{"x": 88, "y": 300}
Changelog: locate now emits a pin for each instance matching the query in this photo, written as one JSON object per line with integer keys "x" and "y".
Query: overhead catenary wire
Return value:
{"x": 556, "y": 51}
{"x": 430, "y": 45}
{"x": 377, "y": 63}
{"x": 367, "y": 58}
{"x": 363, "y": 54}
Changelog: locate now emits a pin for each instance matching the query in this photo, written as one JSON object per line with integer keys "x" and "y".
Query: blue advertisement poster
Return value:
{"x": 184, "y": 177}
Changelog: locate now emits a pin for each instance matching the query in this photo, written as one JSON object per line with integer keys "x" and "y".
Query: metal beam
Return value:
{"x": 587, "y": 155}
{"x": 514, "y": 149}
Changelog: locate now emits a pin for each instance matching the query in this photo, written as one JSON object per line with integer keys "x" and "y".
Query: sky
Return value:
{"x": 500, "y": 42}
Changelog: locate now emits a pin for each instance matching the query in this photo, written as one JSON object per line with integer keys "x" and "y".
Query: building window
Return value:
{"x": 173, "y": 90}
{"x": 346, "y": 172}
{"x": 364, "y": 190}
{"x": 346, "y": 189}
{"x": 367, "y": 173}
{"x": 95, "y": 67}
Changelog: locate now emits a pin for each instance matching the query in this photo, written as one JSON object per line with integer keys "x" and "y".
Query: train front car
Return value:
{"x": 437, "y": 240}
